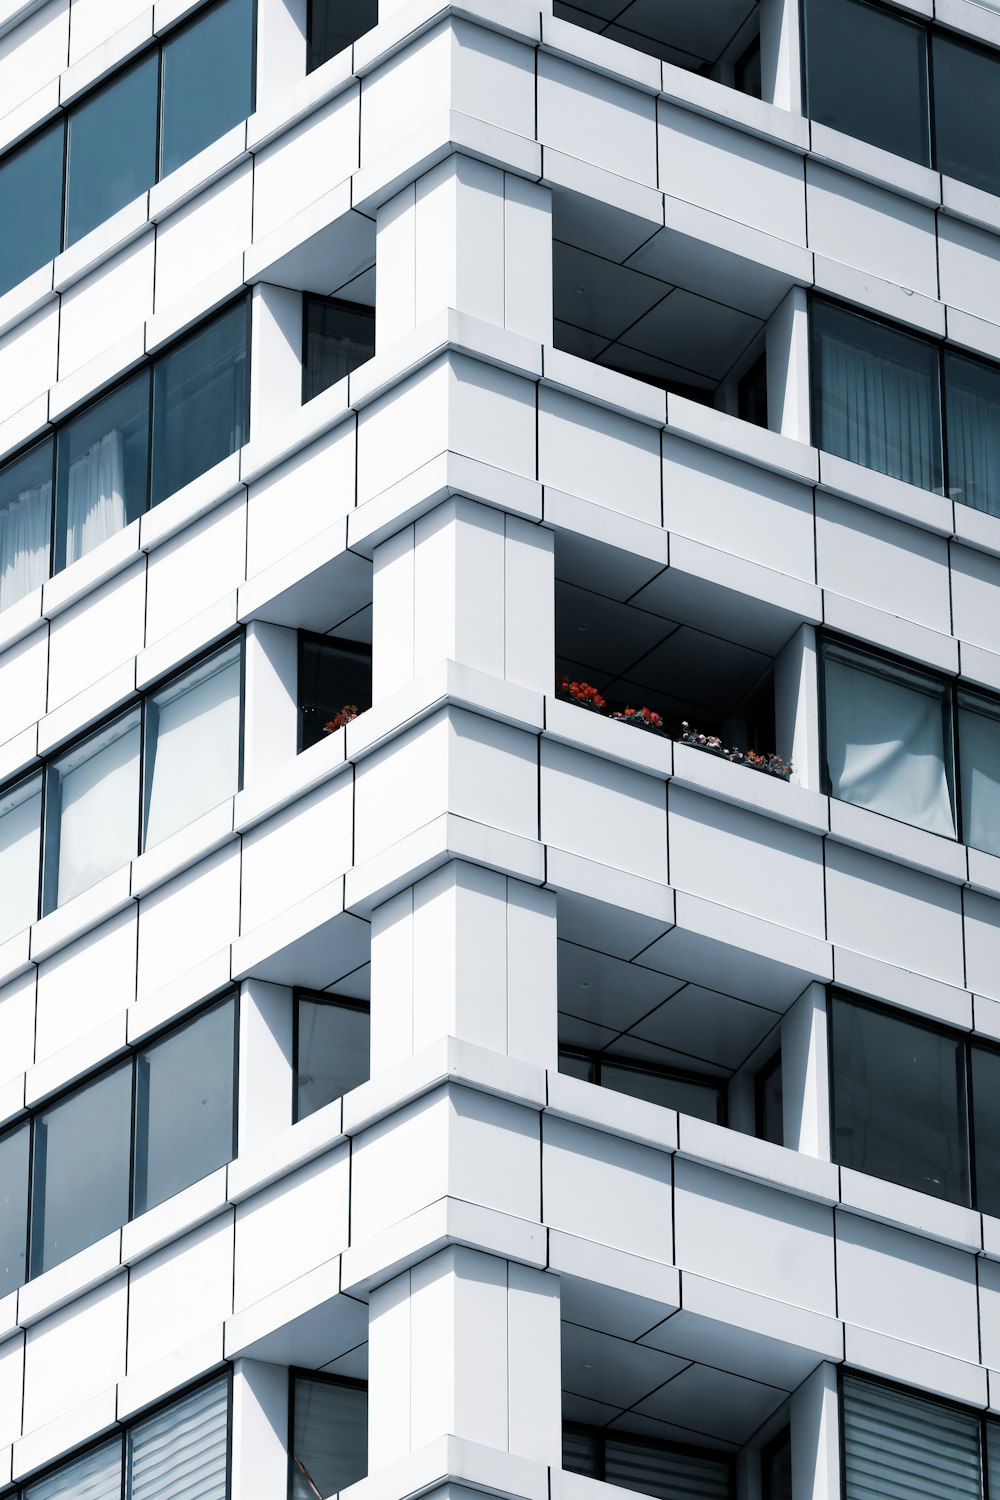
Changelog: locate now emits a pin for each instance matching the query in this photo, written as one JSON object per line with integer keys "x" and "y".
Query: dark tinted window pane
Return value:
{"x": 95, "y": 1476}
{"x": 898, "y": 1447}
{"x": 112, "y": 149}
{"x": 333, "y": 1052}
{"x": 184, "y": 1107}
{"x": 748, "y": 71}
{"x": 329, "y": 1437}
{"x": 333, "y": 675}
{"x": 335, "y": 24}
{"x": 689, "y": 1095}
{"x": 899, "y": 1102}
{"x": 25, "y": 523}
{"x": 92, "y": 810}
{"x": 993, "y": 1459}
{"x": 581, "y": 1453}
{"x": 866, "y": 74}
{"x": 986, "y": 1128}
{"x": 979, "y": 765}
{"x": 20, "y": 856}
{"x": 31, "y": 206}
{"x": 776, "y": 1468}
{"x": 967, "y": 112}
{"x": 207, "y": 86}
{"x": 200, "y": 402}
{"x": 206, "y": 81}
{"x": 972, "y": 397}
{"x": 876, "y": 396}
{"x": 770, "y": 1104}
{"x": 667, "y": 1474}
{"x": 102, "y": 477}
{"x": 13, "y": 1207}
{"x": 576, "y": 1067}
{"x": 751, "y": 393}
{"x": 80, "y": 1181}
{"x": 339, "y": 337}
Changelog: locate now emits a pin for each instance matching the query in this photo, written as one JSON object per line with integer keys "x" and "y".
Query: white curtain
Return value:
{"x": 96, "y": 1476}
{"x": 95, "y": 506}
{"x": 879, "y": 413}
{"x": 979, "y": 752}
{"x": 99, "y": 809}
{"x": 24, "y": 543}
{"x": 195, "y": 758}
{"x": 973, "y": 448}
{"x": 20, "y": 850}
{"x": 885, "y": 746}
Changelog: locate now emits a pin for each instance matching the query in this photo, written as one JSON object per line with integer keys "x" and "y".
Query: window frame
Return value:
{"x": 317, "y": 997}
{"x": 321, "y": 1377}
{"x": 360, "y": 648}
{"x": 643, "y": 1065}
{"x": 600, "y": 1435}
{"x": 313, "y": 299}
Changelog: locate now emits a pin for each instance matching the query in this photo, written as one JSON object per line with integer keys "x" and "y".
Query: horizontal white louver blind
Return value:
{"x": 900, "y": 1447}
{"x": 95, "y": 1476}
{"x": 668, "y": 1475}
{"x": 329, "y": 1438}
{"x": 182, "y": 1453}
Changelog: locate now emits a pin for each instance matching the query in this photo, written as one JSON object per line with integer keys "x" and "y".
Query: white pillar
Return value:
{"x": 281, "y": 47}
{"x": 787, "y": 340}
{"x": 271, "y": 724}
{"x": 805, "y": 1075}
{"x": 265, "y": 1063}
{"x": 780, "y": 54}
{"x": 260, "y": 1428}
{"x": 816, "y": 1437}
{"x": 276, "y": 366}
{"x": 796, "y": 707}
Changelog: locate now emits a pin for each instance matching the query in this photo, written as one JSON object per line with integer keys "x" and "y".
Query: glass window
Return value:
{"x": 80, "y": 1169}
{"x": 972, "y": 411}
{"x": 184, "y": 1116}
{"x": 888, "y": 739}
{"x": 183, "y": 1450}
{"x": 993, "y": 1459}
{"x": 200, "y": 402}
{"x": 899, "y": 1104}
{"x": 669, "y": 1473}
{"x": 13, "y": 1207}
{"x": 334, "y": 676}
{"x": 31, "y": 208}
{"x": 769, "y": 1102}
{"x": 334, "y": 25}
{"x": 332, "y": 1051}
{"x": 91, "y": 819}
{"x": 966, "y": 112}
{"x": 192, "y": 744}
{"x": 339, "y": 337}
{"x": 576, "y": 1066}
{"x": 689, "y": 1095}
{"x": 111, "y": 152}
{"x": 866, "y": 74}
{"x": 329, "y": 1436}
{"x": 25, "y": 522}
{"x": 751, "y": 393}
{"x": 876, "y": 395}
{"x": 979, "y": 764}
{"x": 20, "y": 856}
{"x": 986, "y": 1129}
{"x": 776, "y": 1467}
{"x": 102, "y": 478}
{"x": 581, "y": 1452}
{"x": 95, "y": 1476}
{"x": 207, "y": 82}
{"x": 898, "y": 1446}
{"x": 747, "y": 72}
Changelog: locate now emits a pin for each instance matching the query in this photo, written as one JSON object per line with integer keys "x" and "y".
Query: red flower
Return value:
{"x": 347, "y": 713}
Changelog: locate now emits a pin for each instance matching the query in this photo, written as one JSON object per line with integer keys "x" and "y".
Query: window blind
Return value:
{"x": 668, "y": 1475}
{"x": 902, "y": 1447}
{"x": 329, "y": 1437}
{"x": 183, "y": 1451}
{"x": 95, "y": 1476}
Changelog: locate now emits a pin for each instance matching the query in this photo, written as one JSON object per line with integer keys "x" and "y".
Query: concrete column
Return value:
{"x": 796, "y": 707}
{"x": 276, "y": 366}
{"x": 465, "y": 1344}
{"x": 265, "y": 1063}
{"x": 465, "y": 583}
{"x": 271, "y": 724}
{"x": 780, "y": 54}
{"x": 787, "y": 341}
{"x": 816, "y": 1437}
{"x": 465, "y": 952}
{"x": 805, "y": 1075}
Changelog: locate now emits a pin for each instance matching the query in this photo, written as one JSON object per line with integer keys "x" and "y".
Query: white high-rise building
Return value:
{"x": 499, "y": 749}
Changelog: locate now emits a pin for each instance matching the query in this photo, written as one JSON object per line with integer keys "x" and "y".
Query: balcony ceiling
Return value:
{"x": 691, "y": 36}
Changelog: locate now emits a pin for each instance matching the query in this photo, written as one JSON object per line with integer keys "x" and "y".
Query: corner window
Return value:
{"x": 111, "y": 148}
{"x": 207, "y": 81}
{"x": 31, "y": 207}
{"x": 329, "y": 1435}
{"x": 200, "y": 401}
{"x": 689, "y": 1093}
{"x": 335, "y": 684}
{"x": 334, "y": 24}
{"x": 972, "y": 419}
{"x": 332, "y": 1049}
{"x": 91, "y": 812}
{"x": 20, "y": 855}
{"x": 339, "y": 336}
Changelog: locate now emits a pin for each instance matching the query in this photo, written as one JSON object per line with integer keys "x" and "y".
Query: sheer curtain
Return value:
{"x": 24, "y": 542}
{"x": 878, "y": 412}
{"x": 98, "y": 808}
{"x": 973, "y": 447}
{"x": 194, "y": 746}
{"x": 885, "y": 744}
{"x": 979, "y": 755}
{"x": 95, "y": 506}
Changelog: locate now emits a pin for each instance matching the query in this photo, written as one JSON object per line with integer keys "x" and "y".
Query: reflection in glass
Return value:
{"x": 334, "y": 25}
{"x": 876, "y": 396}
{"x": 207, "y": 85}
{"x": 25, "y": 522}
{"x": 80, "y": 1169}
{"x": 986, "y": 1128}
{"x": 866, "y": 74}
{"x": 979, "y": 763}
{"x": 329, "y": 1437}
{"x": 102, "y": 470}
{"x": 333, "y": 674}
{"x": 184, "y": 1107}
{"x": 182, "y": 1452}
{"x": 339, "y": 337}
{"x": 200, "y": 402}
{"x": 972, "y": 413}
{"x": 967, "y": 112}
{"x": 31, "y": 206}
{"x": 91, "y": 822}
{"x": 95, "y": 1476}
{"x": 332, "y": 1051}
{"x": 192, "y": 745}
{"x": 888, "y": 739}
{"x": 899, "y": 1102}
{"x": 111, "y": 155}
{"x": 13, "y": 1207}
{"x": 20, "y": 855}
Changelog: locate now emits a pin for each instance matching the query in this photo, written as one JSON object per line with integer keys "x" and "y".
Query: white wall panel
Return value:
{"x": 290, "y": 1228}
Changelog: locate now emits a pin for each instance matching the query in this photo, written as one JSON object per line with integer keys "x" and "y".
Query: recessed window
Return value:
{"x": 335, "y": 684}
{"x": 776, "y": 1467}
{"x": 20, "y": 855}
{"x": 339, "y": 336}
{"x": 31, "y": 207}
{"x": 332, "y": 1049}
{"x": 689, "y": 1093}
{"x": 751, "y": 393}
{"x": 747, "y": 72}
{"x": 898, "y": 1443}
{"x": 111, "y": 148}
{"x": 329, "y": 1435}
{"x": 200, "y": 401}
{"x": 15, "y": 1151}
{"x": 207, "y": 81}
{"x": 91, "y": 823}
{"x": 769, "y": 1119}
{"x": 334, "y": 25}
{"x": 666, "y": 1470}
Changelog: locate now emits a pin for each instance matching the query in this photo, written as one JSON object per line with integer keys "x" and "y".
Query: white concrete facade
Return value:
{"x": 496, "y": 1247}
